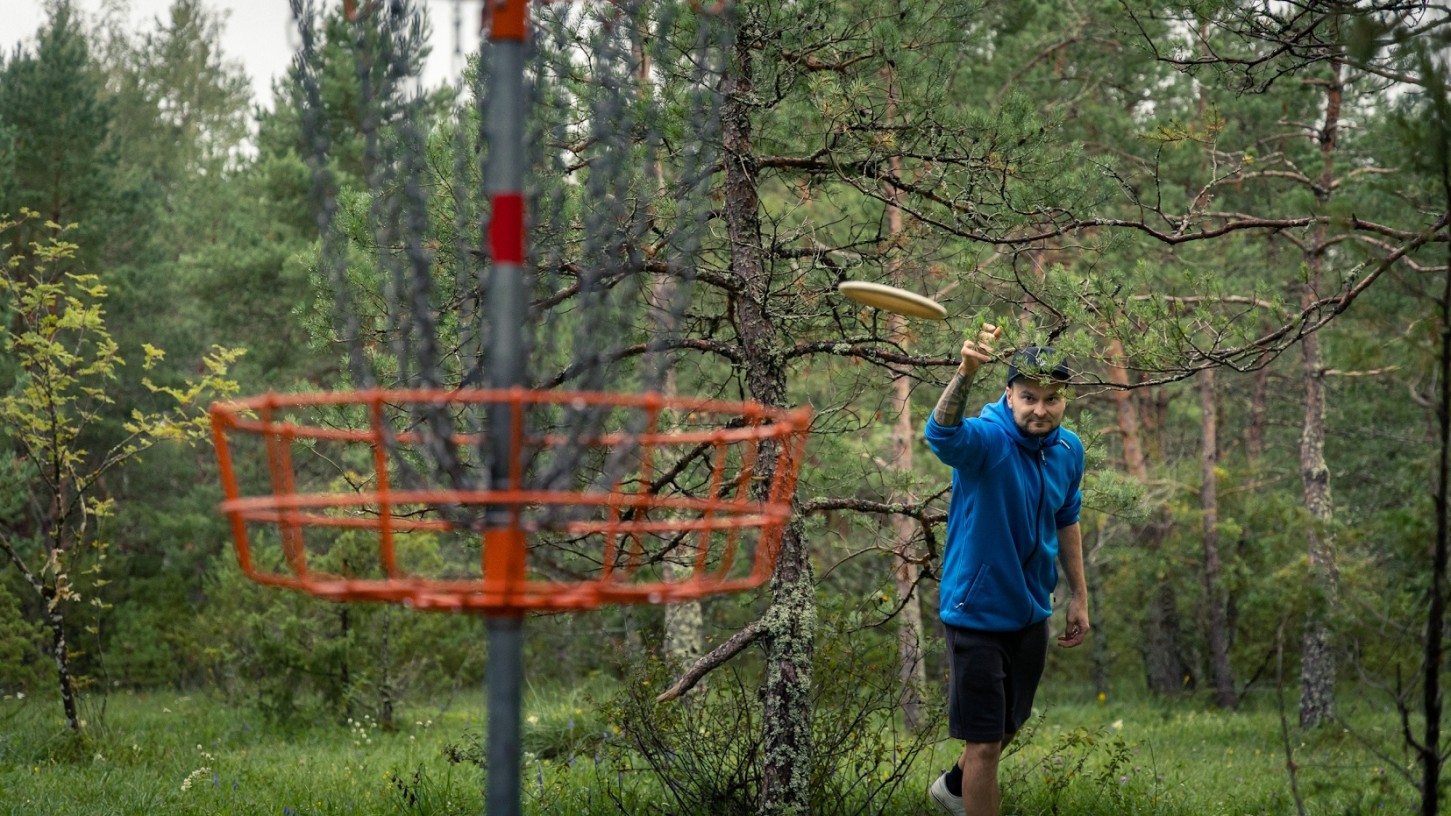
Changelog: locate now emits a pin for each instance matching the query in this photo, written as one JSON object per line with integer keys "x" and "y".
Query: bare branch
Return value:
{"x": 25, "y": 571}
{"x": 732, "y": 353}
{"x": 717, "y": 657}
{"x": 1311, "y": 319}
{"x": 1389, "y": 247}
{"x": 811, "y": 63}
{"x": 917, "y": 511}
{"x": 1374, "y": 372}
{"x": 1195, "y": 300}
{"x": 857, "y": 348}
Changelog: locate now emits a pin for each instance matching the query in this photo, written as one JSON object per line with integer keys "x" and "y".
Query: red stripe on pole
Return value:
{"x": 508, "y": 17}
{"x": 506, "y": 229}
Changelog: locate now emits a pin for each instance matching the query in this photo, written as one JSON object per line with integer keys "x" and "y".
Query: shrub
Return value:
{"x": 705, "y": 752}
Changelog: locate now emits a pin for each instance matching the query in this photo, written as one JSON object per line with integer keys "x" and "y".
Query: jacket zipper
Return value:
{"x": 1037, "y": 527}
{"x": 1037, "y": 515}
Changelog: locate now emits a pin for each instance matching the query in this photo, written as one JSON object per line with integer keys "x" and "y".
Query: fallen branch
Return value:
{"x": 710, "y": 662}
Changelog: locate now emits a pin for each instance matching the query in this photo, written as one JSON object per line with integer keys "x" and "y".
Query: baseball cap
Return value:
{"x": 1039, "y": 363}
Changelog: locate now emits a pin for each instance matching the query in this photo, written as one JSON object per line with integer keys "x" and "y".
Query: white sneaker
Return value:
{"x": 952, "y": 805}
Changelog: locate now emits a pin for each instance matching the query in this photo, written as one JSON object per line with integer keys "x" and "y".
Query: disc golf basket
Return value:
{"x": 692, "y": 504}
{"x": 508, "y": 439}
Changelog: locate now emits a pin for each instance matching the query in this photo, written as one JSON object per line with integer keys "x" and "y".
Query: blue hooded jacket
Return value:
{"x": 1011, "y": 493}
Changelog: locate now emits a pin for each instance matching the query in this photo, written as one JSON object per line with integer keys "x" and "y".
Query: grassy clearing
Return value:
{"x": 189, "y": 754}
{"x": 1184, "y": 757}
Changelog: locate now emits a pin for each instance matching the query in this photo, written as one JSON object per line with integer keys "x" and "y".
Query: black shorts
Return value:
{"x": 992, "y": 677}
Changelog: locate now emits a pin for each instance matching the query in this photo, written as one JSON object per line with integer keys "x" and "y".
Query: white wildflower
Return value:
{"x": 194, "y": 776}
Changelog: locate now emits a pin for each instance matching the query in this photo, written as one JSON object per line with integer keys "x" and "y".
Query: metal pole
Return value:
{"x": 504, "y": 678}
{"x": 504, "y": 182}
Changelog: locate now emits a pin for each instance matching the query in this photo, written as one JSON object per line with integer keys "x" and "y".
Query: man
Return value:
{"x": 1014, "y": 507}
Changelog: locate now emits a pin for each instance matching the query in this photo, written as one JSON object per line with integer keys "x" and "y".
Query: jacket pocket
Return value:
{"x": 973, "y": 586}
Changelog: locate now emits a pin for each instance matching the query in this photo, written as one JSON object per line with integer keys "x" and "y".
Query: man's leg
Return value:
{"x": 976, "y": 714}
{"x": 992, "y": 681}
{"x": 981, "y": 795}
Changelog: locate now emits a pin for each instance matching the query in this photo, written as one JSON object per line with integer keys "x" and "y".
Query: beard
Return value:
{"x": 1029, "y": 429}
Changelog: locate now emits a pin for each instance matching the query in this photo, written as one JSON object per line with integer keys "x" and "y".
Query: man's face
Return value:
{"x": 1037, "y": 406}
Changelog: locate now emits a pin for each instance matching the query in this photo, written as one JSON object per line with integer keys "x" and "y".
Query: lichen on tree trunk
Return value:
{"x": 1317, "y": 660}
{"x": 789, "y": 624}
{"x": 790, "y": 634}
{"x": 684, "y": 626}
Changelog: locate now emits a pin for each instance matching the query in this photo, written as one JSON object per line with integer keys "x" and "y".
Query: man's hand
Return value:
{"x": 953, "y": 402}
{"x": 1077, "y": 627}
{"x": 977, "y": 352}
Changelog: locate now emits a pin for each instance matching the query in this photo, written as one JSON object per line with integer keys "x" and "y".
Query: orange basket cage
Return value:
{"x": 304, "y": 480}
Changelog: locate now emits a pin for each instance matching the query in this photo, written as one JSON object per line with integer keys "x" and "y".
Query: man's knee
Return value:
{"x": 982, "y": 753}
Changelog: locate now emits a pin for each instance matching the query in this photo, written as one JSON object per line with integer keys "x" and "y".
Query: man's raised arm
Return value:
{"x": 953, "y": 402}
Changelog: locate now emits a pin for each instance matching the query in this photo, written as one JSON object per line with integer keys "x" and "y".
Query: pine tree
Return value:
{"x": 64, "y": 161}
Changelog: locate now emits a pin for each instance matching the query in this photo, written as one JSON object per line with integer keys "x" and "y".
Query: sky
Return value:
{"x": 259, "y": 33}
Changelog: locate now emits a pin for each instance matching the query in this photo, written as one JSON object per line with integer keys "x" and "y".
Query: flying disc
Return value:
{"x": 892, "y": 299}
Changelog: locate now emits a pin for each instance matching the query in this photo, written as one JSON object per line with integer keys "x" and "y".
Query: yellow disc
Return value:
{"x": 892, "y": 299}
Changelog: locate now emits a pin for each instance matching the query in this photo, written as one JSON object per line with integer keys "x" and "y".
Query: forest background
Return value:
{"x": 1232, "y": 215}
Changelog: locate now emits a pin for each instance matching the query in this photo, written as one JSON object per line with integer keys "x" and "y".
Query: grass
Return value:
{"x": 1186, "y": 758}
{"x": 190, "y": 754}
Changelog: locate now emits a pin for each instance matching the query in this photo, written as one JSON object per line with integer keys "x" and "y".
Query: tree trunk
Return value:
{"x": 790, "y": 632}
{"x": 1165, "y": 671}
{"x": 1317, "y": 661}
{"x": 1214, "y": 599}
{"x": 684, "y": 621}
{"x": 1127, "y": 415}
{"x": 1102, "y": 669}
{"x": 1254, "y": 445}
{"x": 387, "y": 692}
{"x": 345, "y": 674}
{"x": 789, "y": 625}
{"x": 1433, "y": 653}
{"x": 684, "y": 627}
{"x": 912, "y": 670}
{"x": 633, "y": 644}
{"x": 55, "y": 619}
{"x": 46, "y": 595}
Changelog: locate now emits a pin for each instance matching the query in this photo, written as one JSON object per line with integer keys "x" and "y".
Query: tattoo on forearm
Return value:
{"x": 953, "y": 403}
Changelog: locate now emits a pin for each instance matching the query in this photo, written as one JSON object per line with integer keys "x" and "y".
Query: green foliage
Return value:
{"x": 156, "y": 647}
{"x": 23, "y": 666}
{"x": 1164, "y": 761}
{"x": 151, "y": 633}
{"x": 179, "y": 120}
{"x": 705, "y": 749}
{"x": 181, "y": 107}
{"x": 298, "y": 659}
{"x": 62, "y": 160}
{"x": 68, "y": 361}
{"x": 1100, "y": 760}
{"x": 66, "y": 367}
{"x": 1007, "y": 119}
